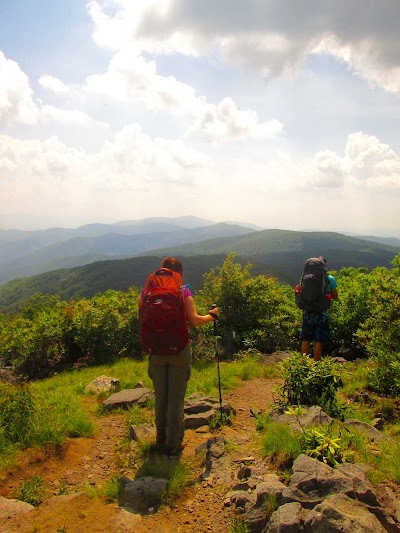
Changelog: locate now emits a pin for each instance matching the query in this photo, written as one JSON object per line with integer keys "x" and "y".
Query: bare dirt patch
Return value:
{"x": 87, "y": 462}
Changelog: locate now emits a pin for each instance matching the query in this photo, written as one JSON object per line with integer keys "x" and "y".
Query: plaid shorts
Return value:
{"x": 315, "y": 327}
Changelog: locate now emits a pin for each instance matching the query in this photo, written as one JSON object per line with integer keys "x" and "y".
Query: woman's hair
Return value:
{"x": 173, "y": 263}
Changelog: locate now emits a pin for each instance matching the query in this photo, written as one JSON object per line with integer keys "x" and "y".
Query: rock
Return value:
{"x": 338, "y": 513}
{"x": 102, "y": 384}
{"x": 310, "y": 416}
{"x": 377, "y": 423}
{"x": 8, "y": 375}
{"x": 143, "y": 492}
{"x": 199, "y": 410}
{"x": 255, "y": 518}
{"x": 373, "y": 434}
{"x": 361, "y": 486}
{"x": 143, "y": 432}
{"x": 218, "y": 468}
{"x": 312, "y": 481}
{"x": 287, "y": 519}
{"x": 270, "y": 485}
{"x": 10, "y": 508}
{"x": 128, "y": 397}
{"x": 276, "y": 357}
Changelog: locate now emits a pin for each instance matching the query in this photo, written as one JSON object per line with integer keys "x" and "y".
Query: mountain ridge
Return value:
{"x": 277, "y": 253}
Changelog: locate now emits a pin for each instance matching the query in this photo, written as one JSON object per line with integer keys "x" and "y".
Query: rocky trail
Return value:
{"x": 85, "y": 462}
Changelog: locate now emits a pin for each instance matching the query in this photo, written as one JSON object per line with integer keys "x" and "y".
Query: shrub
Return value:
{"x": 384, "y": 378}
{"x": 17, "y": 408}
{"x": 307, "y": 382}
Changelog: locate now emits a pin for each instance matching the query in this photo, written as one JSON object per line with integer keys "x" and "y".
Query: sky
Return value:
{"x": 280, "y": 113}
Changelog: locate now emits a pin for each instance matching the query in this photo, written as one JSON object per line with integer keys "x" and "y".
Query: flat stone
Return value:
{"x": 128, "y": 397}
{"x": 10, "y": 508}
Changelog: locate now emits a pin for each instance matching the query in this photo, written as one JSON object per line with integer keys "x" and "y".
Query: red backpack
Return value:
{"x": 163, "y": 326}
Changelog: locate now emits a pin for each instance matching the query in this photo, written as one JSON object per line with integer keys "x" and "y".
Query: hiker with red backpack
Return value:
{"x": 166, "y": 306}
{"x": 313, "y": 295}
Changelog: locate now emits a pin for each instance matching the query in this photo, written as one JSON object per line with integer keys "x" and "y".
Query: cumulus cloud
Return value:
{"x": 63, "y": 116}
{"x": 225, "y": 121}
{"x": 131, "y": 160}
{"x": 16, "y": 99}
{"x": 53, "y": 84}
{"x": 130, "y": 78}
{"x": 270, "y": 37}
{"x": 366, "y": 163}
{"x": 369, "y": 161}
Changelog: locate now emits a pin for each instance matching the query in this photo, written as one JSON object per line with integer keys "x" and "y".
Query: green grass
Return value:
{"x": 204, "y": 376}
{"x": 355, "y": 378}
{"x": 32, "y": 491}
{"x": 281, "y": 443}
{"x": 177, "y": 474}
{"x": 239, "y": 526}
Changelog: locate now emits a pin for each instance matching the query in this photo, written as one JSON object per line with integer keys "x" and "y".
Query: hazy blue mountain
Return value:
{"x": 275, "y": 240}
{"x": 84, "y": 250}
{"x": 277, "y": 253}
{"x": 391, "y": 241}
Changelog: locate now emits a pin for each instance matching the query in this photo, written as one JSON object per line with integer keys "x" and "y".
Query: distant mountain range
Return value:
{"x": 277, "y": 253}
{"x": 25, "y": 253}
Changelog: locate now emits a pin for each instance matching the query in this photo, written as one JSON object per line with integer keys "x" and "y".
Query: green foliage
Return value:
{"x": 307, "y": 382}
{"x": 318, "y": 443}
{"x": 239, "y": 526}
{"x": 384, "y": 377}
{"x": 32, "y": 492}
{"x": 17, "y": 407}
{"x": 258, "y": 309}
{"x": 220, "y": 420}
{"x": 177, "y": 474}
{"x": 351, "y": 309}
{"x": 281, "y": 443}
{"x": 51, "y": 334}
{"x": 380, "y": 331}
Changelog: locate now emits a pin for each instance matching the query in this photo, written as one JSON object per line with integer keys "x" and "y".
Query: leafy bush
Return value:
{"x": 17, "y": 408}
{"x": 318, "y": 443}
{"x": 351, "y": 310}
{"x": 380, "y": 331}
{"x": 307, "y": 382}
{"x": 384, "y": 378}
{"x": 258, "y": 309}
{"x": 32, "y": 492}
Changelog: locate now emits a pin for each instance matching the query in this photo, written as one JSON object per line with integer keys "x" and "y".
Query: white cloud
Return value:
{"x": 270, "y": 37}
{"x": 364, "y": 59}
{"x": 53, "y": 84}
{"x": 366, "y": 163}
{"x": 16, "y": 102}
{"x": 131, "y": 161}
{"x": 63, "y": 116}
{"x": 225, "y": 121}
{"x": 130, "y": 78}
{"x": 371, "y": 162}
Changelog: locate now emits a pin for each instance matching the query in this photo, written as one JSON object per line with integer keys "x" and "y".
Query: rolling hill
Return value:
{"x": 277, "y": 253}
{"x": 54, "y": 249}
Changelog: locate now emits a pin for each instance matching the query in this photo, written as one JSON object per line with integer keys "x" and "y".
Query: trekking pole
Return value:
{"x": 217, "y": 357}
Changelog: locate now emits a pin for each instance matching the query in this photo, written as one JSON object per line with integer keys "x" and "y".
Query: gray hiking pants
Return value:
{"x": 170, "y": 374}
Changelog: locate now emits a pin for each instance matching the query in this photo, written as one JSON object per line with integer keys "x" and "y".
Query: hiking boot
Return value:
{"x": 174, "y": 450}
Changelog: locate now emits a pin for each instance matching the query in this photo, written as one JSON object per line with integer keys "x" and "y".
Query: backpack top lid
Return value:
{"x": 315, "y": 261}
{"x": 163, "y": 278}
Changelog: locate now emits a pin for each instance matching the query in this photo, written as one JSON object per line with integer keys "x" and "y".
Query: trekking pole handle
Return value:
{"x": 215, "y": 321}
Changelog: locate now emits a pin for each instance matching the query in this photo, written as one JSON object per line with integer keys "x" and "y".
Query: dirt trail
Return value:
{"x": 92, "y": 461}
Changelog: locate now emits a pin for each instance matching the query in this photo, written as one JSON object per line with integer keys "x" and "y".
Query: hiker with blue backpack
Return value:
{"x": 166, "y": 306}
{"x": 314, "y": 295}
